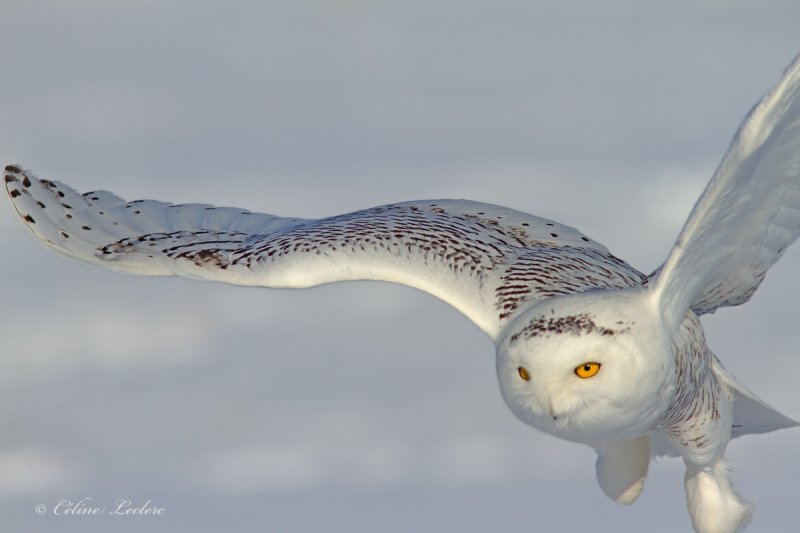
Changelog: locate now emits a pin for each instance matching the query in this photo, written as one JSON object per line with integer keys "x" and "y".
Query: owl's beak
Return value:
{"x": 551, "y": 410}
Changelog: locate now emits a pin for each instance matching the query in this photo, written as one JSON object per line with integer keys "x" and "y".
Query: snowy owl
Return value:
{"x": 589, "y": 349}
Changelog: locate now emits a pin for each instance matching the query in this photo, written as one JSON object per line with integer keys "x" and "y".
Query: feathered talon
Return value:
{"x": 714, "y": 505}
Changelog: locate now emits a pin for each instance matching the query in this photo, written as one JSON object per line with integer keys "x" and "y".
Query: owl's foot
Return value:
{"x": 622, "y": 467}
{"x": 714, "y": 505}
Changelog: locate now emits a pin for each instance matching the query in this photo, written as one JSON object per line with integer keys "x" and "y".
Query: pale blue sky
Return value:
{"x": 357, "y": 407}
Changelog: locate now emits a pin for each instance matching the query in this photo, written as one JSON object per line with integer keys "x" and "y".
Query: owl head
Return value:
{"x": 590, "y": 368}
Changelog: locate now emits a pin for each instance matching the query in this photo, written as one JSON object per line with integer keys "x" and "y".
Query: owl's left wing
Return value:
{"x": 487, "y": 261}
{"x": 747, "y": 216}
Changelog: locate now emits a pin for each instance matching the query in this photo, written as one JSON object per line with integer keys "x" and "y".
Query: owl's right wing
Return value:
{"x": 747, "y": 216}
{"x": 487, "y": 261}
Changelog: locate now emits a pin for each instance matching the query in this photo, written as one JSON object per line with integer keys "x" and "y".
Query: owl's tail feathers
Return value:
{"x": 751, "y": 414}
{"x": 714, "y": 505}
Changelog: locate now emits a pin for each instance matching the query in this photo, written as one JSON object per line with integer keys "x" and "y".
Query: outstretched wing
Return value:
{"x": 486, "y": 261}
{"x": 747, "y": 216}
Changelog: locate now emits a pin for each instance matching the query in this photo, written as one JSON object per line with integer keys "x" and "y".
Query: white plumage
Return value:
{"x": 588, "y": 348}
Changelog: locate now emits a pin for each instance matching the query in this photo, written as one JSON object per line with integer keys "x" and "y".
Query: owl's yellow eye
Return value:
{"x": 587, "y": 370}
{"x": 523, "y": 373}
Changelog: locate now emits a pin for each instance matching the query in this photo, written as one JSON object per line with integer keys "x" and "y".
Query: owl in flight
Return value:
{"x": 589, "y": 349}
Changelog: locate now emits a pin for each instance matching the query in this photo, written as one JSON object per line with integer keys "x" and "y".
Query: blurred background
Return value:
{"x": 244, "y": 409}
